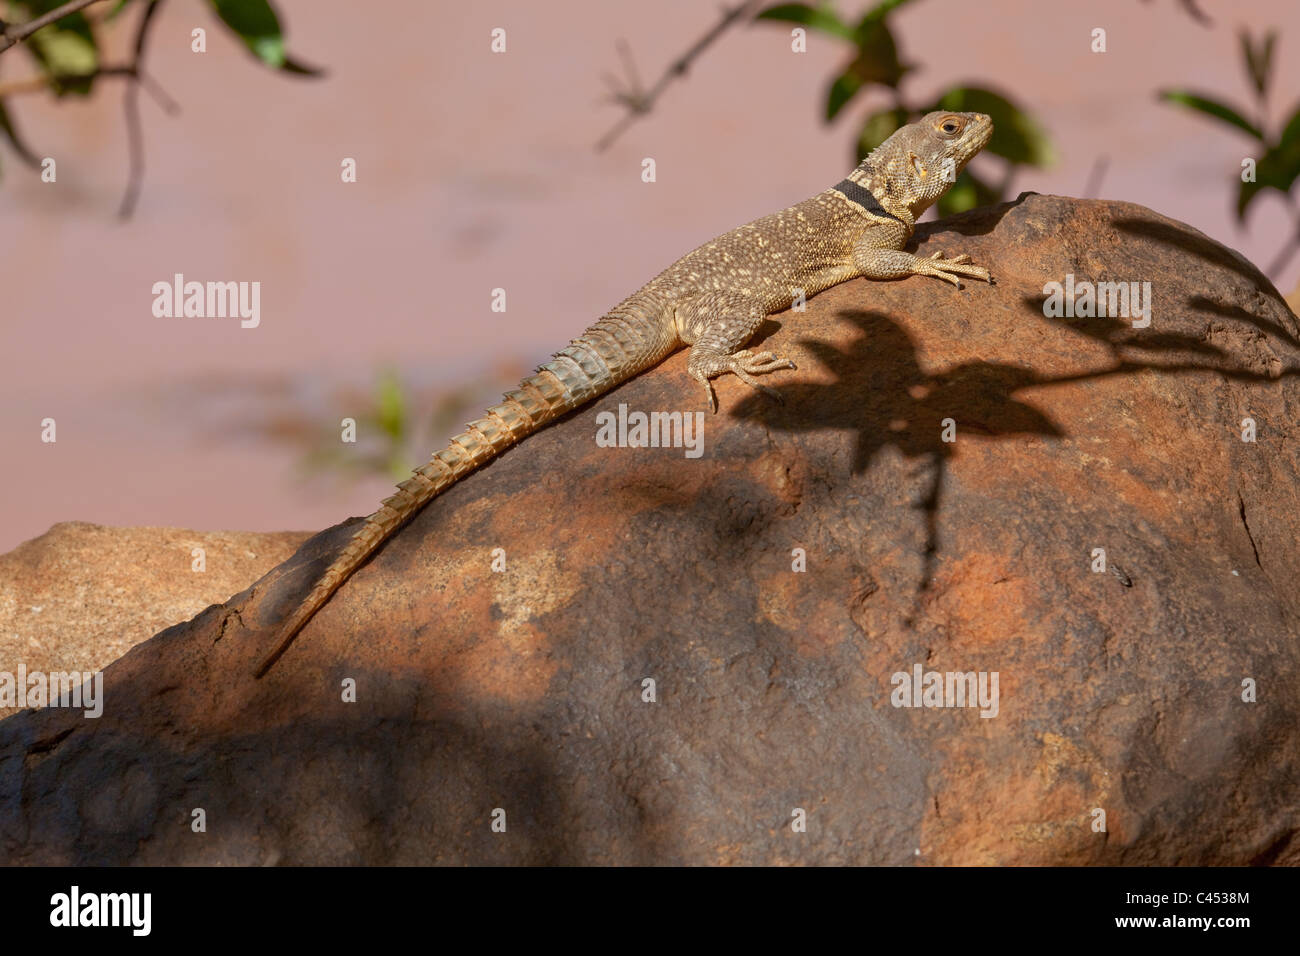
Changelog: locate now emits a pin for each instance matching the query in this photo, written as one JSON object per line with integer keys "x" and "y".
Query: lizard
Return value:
{"x": 713, "y": 300}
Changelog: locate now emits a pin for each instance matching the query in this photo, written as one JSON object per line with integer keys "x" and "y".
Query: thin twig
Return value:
{"x": 169, "y": 105}
{"x": 639, "y": 102}
{"x": 1196, "y": 13}
{"x": 1092, "y": 187}
{"x": 32, "y": 84}
{"x": 131, "y": 106}
{"x": 35, "y": 84}
{"x": 1193, "y": 11}
{"x": 135, "y": 150}
{"x": 160, "y": 96}
{"x": 18, "y": 32}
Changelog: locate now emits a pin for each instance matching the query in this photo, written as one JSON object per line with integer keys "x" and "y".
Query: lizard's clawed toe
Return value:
{"x": 938, "y": 273}
{"x": 746, "y": 368}
{"x": 744, "y": 364}
{"x": 762, "y": 363}
{"x": 949, "y": 269}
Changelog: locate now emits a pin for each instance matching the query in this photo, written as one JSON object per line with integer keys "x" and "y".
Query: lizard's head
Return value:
{"x": 955, "y": 136}
{"x": 921, "y": 160}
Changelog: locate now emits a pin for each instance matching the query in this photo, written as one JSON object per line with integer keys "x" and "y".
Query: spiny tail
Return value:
{"x": 608, "y": 353}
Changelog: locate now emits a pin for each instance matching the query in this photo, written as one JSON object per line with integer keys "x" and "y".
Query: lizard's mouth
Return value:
{"x": 983, "y": 130}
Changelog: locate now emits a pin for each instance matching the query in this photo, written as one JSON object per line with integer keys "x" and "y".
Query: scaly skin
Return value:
{"x": 712, "y": 299}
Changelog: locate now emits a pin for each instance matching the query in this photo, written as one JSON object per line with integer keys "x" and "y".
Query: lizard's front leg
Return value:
{"x": 717, "y": 325}
{"x": 876, "y": 263}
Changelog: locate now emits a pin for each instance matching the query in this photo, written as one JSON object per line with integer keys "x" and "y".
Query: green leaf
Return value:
{"x": 843, "y": 88}
{"x": 65, "y": 53}
{"x": 1291, "y": 132}
{"x": 20, "y": 147}
{"x": 879, "y": 12}
{"x": 1259, "y": 60}
{"x": 270, "y": 50}
{"x": 1279, "y": 168}
{"x": 1213, "y": 108}
{"x": 302, "y": 69}
{"x": 877, "y": 60}
{"x": 65, "y": 50}
{"x": 1015, "y": 135}
{"x": 822, "y": 18}
{"x": 256, "y": 23}
{"x": 968, "y": 192}
{"x": 878, "y": 128}
{"x": 391, "y": 405}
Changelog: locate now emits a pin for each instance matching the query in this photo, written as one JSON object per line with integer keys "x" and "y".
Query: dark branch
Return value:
{"x": 639, "y": 102}
{"x": 35, "y": 84}
{"x": 18, "y": 32}
{"x": 1092, "y": 188}
{"x": 131, "y": 105}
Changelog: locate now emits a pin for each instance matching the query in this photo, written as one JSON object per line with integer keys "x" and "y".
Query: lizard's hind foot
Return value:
{"x": 761, "y": 363}
{"x": 744, "y": 364}
{"x": 939, "y": 267}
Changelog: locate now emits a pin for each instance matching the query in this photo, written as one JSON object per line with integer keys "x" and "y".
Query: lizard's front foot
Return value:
{"x": 705, "y": 365}
{"x": 943, "y": 268}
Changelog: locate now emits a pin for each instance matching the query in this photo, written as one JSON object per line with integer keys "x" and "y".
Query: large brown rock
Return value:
{"x": 81, "y": 595}
{"x": 1119, "y": 691}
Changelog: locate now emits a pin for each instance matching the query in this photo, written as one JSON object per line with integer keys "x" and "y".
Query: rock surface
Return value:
{"x": 1118, "y": 691}
{"x": 81, "y": 595}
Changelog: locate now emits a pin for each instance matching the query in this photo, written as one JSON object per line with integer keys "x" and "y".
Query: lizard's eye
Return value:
{"x": 951, "y": 127}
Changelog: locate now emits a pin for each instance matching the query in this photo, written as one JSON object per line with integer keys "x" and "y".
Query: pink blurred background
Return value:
{"x": 477, "y": 171}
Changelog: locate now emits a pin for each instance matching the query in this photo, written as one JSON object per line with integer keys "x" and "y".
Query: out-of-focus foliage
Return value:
{"x": 391, "y": 438}
{"x": 1277, "y": 155}
{"x": 67, "y": 53}
{"x": 874, "y": 62}
{"x": 255, "y": 23}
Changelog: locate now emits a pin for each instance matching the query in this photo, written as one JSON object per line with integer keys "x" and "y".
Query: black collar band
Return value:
{"x": 859, "y": 194}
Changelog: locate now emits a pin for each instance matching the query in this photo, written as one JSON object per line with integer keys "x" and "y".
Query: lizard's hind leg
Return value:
{"x": 716, "y": 325}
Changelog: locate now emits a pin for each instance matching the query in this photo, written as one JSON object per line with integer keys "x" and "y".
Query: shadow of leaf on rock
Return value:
{"x": 1118, "y": 334}
{"x": 1223, "y": 310}
{"x": 883, "y": 397}
{"x": 1201, "y": 246}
